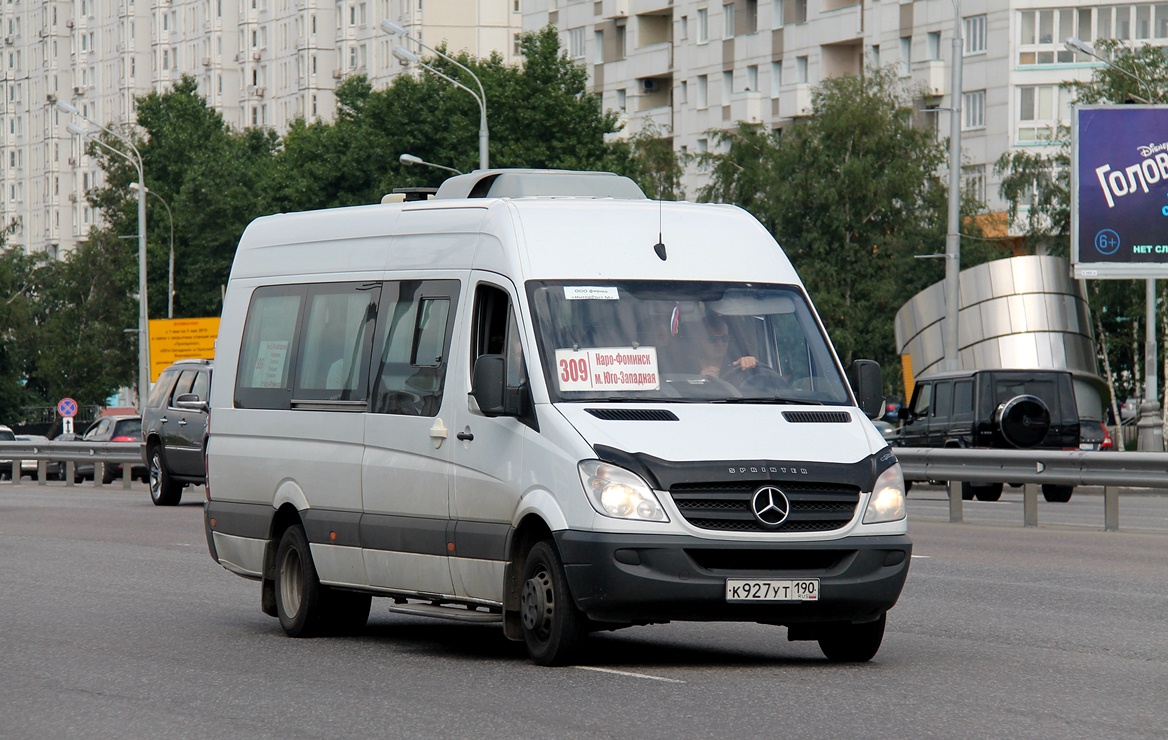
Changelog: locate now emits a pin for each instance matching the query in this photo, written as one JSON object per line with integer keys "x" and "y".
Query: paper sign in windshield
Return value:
{"x": 269, "y": 366}
{"x": 590, "y": 293}
{"x": 608, "y": 369}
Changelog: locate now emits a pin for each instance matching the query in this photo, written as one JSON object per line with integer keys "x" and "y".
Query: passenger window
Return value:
{"x": 496, "y": 332}
{"x": 963, "y": 400}
{"x": 333, "y": 361}
{"x": 185, "y": 380}
{"x": 264, "y": 378}
{"x": 924, "y": 399}
{"x": 413, "y": 345}
{"x": 161, "y": 389}
{"x": 942, "y": 400}
{"x": 202, "y": 386}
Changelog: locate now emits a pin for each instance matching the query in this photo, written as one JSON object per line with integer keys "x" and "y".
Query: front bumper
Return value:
{"x": 643, "y": 578}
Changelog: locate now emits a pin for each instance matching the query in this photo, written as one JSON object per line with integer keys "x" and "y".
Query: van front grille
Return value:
{"x": 726, "y": 507}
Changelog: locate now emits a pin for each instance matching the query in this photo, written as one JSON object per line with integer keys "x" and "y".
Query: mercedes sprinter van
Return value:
{"x": 543, "y": 400}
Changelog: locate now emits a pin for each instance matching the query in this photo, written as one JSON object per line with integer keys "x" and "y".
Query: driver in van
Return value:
{"x": 712, "y": 345}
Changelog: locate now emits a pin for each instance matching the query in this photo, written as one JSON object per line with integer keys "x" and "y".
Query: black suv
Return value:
{"x": 1004, "y": 409}
{"x": 174, "y": 427}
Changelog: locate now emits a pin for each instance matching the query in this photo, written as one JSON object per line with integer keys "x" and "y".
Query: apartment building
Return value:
{"x": 685, "y": 67}
{"x": 258, "y": 62}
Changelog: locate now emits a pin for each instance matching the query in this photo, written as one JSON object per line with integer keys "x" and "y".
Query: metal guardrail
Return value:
{"x": 1034, "y": 468}
{"x": 71, "y": 453}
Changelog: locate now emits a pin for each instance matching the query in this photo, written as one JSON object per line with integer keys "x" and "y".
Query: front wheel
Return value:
{"x": 853, "y": 643}
{"x": 163, "y": 490}
{"x": 553, "y": 628}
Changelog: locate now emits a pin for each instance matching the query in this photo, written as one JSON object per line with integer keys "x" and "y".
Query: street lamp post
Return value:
{"x": 953, "y": 233}
{"x": 170, "y": 275}
{"x": 393, "y": 29}
{"x": 409, "y": 160}
{"x": 1149, "y": 422}
{"x": 143, "y": 313}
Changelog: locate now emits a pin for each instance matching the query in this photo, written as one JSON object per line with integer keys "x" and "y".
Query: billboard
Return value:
{"x": 180, "y": 339}
{"x": 1119, "y": 191}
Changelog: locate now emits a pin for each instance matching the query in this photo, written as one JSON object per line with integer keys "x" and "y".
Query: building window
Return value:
{"x": 933, "y": 44}
{"x": 703, "y": 25}
{"x": 598, "y": 47}
{"x": 728, "y": 21}
{"x": 576, "y": 43}
{"x": 1038, "y": 113}
{"x": 905, "y": 55}
{"x": 801, "y": 73}
{"x": 752, "y": 78}
{"x": 975, "y": 34}
{"x": 800, "y": 11}
{"x": 1041, "y": 34}
{"x": 973, "y": 181}
{"x": 777, "y": 13}
{"x": 622, "y": 100}
{"x": 776, "y": 78}
{"x": 683, "y": 92}
{"x": 683, "y": 28}
{"x": 973, "y": 110}
{"x": 703, "y": 91}
{"x": 727, "y": 87}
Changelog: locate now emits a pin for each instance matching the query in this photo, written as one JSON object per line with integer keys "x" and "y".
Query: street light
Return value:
{"x": 1083, "y": 47}
{"x": 406, "y": 55}
{"x": 953, "y": 232}
{"x": 409, "y": 160}
{"x": 143, "y": 313}
{"x": 170, "y": 282}
{"x": 1150, "y": 407}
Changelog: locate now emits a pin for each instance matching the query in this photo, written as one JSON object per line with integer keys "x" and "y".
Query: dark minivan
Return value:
{"x": 1001, "y": 409}
{"x": 174, "y": 427}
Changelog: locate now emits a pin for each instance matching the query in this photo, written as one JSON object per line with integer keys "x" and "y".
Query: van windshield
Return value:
{"x": 676, "y": 341}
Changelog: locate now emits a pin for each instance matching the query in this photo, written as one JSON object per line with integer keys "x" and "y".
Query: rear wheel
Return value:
{"x": 553, "y": 628}
{"x": 163, "y": 490}
{"x": 981, "y": 491}
{"x": 298, "y": 590}
{"x": 853, "y": 643}
{"x": 1057, "y": 494}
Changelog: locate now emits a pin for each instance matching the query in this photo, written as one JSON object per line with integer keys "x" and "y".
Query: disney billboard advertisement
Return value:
{"x": 1119, "y": 191}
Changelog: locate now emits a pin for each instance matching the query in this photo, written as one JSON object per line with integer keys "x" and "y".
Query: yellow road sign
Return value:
{"x": 180, "y": 339}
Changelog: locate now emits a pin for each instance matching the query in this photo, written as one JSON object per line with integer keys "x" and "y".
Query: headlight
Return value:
{"x": 619, "y": 493}
{"x": 887, "y": 502}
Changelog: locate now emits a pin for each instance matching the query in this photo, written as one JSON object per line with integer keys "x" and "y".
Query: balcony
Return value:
{"x": 933, "y": 74}
{"x": 795, "y": 100}
{"x": 746, "y": 107}
{"x": 651, "y": 61}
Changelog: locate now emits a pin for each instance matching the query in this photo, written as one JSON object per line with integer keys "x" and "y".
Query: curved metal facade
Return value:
{"x": 1022, "y": 312}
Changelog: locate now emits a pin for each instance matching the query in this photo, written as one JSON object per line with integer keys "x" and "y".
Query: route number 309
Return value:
{"x": 573, "y": 370}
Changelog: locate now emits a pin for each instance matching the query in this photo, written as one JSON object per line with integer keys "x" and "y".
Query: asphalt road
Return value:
{"x": 114, "y": 622}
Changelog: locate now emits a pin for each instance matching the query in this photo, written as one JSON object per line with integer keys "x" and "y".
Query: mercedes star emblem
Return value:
{"x": 770, "y": 506}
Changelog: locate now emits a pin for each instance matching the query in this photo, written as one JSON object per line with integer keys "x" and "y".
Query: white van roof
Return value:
{"x": 522, "y": 236}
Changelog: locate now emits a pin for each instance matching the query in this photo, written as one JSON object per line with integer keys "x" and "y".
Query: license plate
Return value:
{"x": 802, "y": 589}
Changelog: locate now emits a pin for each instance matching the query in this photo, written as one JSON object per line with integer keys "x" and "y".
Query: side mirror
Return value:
{"x": 190, "y": 402}
{"x": 905, "y": 414}
{"x": 867, "y": 384}
{"x": 487, "y": 385}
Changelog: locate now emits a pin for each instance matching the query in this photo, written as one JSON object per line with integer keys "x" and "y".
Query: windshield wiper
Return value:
{"x": 770, "y": 399}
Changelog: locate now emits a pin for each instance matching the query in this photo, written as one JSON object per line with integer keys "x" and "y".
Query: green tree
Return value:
{"x": 17, "y": 336}
{"x": 853, "y": 195}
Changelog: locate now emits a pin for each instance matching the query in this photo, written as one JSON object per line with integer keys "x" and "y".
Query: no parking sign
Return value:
{"x": 67, "y": 408}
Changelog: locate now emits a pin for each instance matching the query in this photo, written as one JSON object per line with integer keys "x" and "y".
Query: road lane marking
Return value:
{"x": 629, "y": 674}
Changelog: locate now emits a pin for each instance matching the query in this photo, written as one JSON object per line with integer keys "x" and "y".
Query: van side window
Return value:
{"x": 264, "y": 377}
{"x": 414, "y": 325}
{"x": 333, "y": 361}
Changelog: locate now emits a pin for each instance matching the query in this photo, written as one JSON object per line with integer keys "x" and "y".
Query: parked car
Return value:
{"x": 127, "y": 428}
{"x": 1093, "y": 435}
{"x": 175, "y": 429}
{"x": 1002, "y": 409}
{"x": 54, "y": 469}
{"x": 6, "y": 435}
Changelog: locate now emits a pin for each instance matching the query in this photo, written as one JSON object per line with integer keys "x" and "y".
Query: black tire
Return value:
{"x": 108, "y": 475}
{"x": 853, "y": 643}
{"x": 163, "y": 490}
{"x": 299, "y": 596}
{"x": 553, "y": 628}
{"x": 1057, "y": 494}
{"x": 966, "y": 491}
{"x": 987, "y": 491}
